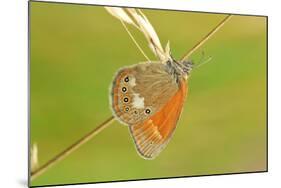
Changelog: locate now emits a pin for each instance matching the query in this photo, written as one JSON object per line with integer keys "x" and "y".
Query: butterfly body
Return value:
{"x": 148, "y": 97}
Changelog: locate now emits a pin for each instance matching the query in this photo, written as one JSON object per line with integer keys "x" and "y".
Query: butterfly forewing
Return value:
{"x": 140, "y": 91}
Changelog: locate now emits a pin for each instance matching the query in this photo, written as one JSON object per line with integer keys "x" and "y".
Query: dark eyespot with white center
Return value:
{"x": 147, "y": 111}
{"x": 126, "y": 79}
{"x": 124, "y": 89}
{"x": 126, "y": 99}
{"x": 127, "y": 109}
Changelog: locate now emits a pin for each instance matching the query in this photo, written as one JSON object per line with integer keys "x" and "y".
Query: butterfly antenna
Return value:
{"x": 202, "y": 57}
{"x": 203, "y": 62}
{"x": 207, "y": 37}
{"x": 134, "y": 40}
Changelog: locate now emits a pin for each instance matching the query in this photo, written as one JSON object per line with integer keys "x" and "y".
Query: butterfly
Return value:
{"x": 149, "y": 97}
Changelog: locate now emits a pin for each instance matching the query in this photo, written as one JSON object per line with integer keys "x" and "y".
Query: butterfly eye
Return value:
{"x": 126, "y": 79}
{"x": 124, "y": 89}
{"x": 185, "y": 70}
{"x": 126, "y": 99}
{"x": 147, "y": 111}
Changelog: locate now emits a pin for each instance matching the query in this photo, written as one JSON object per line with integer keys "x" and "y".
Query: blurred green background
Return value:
{"x": 76, "y": 50}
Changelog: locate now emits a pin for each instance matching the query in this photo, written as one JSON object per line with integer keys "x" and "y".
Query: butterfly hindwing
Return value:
{"x": 152, "y": 136}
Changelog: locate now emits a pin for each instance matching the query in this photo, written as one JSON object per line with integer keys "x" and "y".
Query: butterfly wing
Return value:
{"x": 140, "y": 91}
{"x": 152, "y": 136}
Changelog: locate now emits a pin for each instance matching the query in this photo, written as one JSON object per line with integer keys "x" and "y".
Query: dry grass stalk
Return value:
{"x": 37, "y": 172}
{"x": 206, "y": 38}
{"x": 34, "y": 162}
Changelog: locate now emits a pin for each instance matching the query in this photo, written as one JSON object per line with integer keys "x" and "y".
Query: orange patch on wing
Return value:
{"x": 153, "y": 135}
{"x": 116, "y": 90}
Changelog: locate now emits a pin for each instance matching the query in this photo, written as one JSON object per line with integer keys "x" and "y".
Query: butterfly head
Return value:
{"x": 186, "y": 67}
{"x": 180, "y": 69}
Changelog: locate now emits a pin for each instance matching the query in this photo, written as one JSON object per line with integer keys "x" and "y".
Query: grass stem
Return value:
{"x": 204, "y": 39}
{"x": 37, "y": 172}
